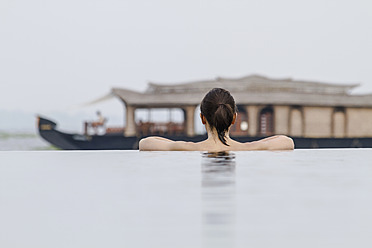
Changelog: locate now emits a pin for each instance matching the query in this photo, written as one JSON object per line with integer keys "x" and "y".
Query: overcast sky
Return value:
{"x": 58, "y": 54}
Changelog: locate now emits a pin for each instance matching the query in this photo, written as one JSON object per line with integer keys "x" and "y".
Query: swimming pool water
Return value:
{"x": 301, "y": 198}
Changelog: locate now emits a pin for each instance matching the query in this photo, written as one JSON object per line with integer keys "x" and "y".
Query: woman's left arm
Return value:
{"x": 162, "y": 144}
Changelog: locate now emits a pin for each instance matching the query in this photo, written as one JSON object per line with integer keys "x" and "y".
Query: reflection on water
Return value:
{"x": 218, "y": 197}
{"x": 218, "y": 169}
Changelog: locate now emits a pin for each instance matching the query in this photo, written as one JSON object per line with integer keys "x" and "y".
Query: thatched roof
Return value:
{"x": 248, "y": 90}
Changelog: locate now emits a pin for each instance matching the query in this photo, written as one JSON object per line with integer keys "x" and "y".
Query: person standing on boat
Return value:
{"x": 100, "y": 122}
{"x": 218, "y": 113}
{"x": 101, "y": 119}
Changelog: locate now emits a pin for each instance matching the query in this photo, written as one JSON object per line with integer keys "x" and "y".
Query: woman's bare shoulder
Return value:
{"x": 277, "y": 142}
{"x": 184, "y": 146}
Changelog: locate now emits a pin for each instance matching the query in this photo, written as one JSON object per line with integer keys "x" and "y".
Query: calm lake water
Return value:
{"x": 301, "y": 198}
{"x": 22, "y": 141}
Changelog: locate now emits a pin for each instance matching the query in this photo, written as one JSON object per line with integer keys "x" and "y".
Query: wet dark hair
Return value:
{"x": 218, "y": 107}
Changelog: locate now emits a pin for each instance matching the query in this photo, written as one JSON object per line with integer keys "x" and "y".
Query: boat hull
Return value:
{"x": 117, "y": 141}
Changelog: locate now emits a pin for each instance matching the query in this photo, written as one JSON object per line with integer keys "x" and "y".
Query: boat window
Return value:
{"x": 199, "y": 127}
{"x": 160, "y": 121}
{"x": 266, "y": 122}
{"x": 240, "y": 128}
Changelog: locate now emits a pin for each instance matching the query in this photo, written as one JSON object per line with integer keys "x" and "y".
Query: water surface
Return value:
{"x": 22, "y": 141}
{"x": 301, "y": 198}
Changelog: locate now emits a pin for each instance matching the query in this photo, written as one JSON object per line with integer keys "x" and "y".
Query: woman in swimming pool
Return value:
{"x": 218, "y": 113}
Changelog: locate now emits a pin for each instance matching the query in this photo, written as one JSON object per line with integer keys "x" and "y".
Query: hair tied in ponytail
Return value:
{"x": 219, "y": 118}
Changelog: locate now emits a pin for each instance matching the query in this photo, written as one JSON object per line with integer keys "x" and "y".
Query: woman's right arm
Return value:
{"x": 277, "y": 142}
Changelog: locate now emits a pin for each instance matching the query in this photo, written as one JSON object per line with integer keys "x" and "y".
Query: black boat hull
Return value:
{"x": 117, "y": 141}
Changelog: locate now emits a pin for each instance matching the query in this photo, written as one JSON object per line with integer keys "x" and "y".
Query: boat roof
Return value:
{"x": 249, "y": 90}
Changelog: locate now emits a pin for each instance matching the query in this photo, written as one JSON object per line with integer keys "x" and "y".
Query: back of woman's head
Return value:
{"x": 218, "y": 107}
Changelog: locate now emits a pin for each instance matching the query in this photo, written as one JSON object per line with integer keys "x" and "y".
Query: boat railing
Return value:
{"x": 110, "y": 130}
{"x": 160, "y": 128}
{"x": 142, "y": 129}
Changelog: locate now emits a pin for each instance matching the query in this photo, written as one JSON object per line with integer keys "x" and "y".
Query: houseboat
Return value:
{"x": 314, "y": 114}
